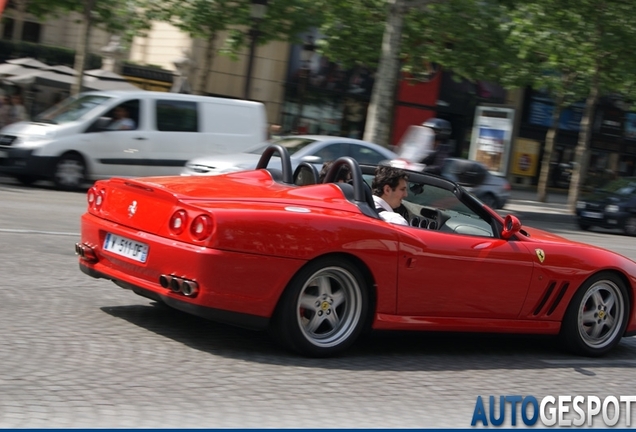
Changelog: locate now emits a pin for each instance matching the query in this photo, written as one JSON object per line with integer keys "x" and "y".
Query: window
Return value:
{"x": 177, "y": 116}
{"x": 30, "y": 30}
{"x": 365, "y": 155}
{"x": 332, "y": 152}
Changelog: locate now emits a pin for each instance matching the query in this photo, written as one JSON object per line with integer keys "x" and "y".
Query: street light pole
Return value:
{"x": 257, "y": 12}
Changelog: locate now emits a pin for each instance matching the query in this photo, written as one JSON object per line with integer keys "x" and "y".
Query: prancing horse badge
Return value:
{"x": 540, "y": 254}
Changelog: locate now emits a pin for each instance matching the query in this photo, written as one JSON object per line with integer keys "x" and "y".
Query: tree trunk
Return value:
{"x": 550, "y": 138}
{"x": 379, "y": 116}
{"x": 581, "y": 153}
{"x": 207, "y": 63}
{"x": 82, "y": 48}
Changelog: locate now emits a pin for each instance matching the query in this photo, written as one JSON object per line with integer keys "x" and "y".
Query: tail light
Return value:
{"x": 95, "y": 197}
{"x": 178, "y": 222}
{"x": 201, "y": 227}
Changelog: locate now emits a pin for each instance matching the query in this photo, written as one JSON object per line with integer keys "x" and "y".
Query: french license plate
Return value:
{"x": 592, "y": 215}
{"x": 125, "y": 247}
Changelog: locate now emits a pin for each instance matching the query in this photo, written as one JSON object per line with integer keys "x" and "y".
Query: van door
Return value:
{"x": 174, "y": 136}
{"x": 121, "y": 144}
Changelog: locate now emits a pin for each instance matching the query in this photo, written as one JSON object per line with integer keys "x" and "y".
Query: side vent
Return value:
{"x": 545, "y": 298}
{"x": 558, "y": 298}
{"x": 552, "y": 298}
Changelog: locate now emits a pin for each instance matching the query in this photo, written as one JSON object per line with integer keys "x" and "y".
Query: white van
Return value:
{"x": 79, "y": 139}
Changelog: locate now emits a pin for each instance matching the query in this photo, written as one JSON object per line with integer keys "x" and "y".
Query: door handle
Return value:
{"x": 140, "y": 138}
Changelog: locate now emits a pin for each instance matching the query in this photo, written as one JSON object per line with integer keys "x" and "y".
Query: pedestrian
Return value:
{"x": 17, "y": 112}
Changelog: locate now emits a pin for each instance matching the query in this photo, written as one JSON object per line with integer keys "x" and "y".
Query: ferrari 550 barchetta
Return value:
{"x": 317, "y": 266}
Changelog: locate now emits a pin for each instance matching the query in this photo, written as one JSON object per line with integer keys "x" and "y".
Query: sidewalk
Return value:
{"x": 526, "y": 200}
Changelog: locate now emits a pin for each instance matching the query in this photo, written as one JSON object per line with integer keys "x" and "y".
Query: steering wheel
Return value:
{"x": 288, "y": 175}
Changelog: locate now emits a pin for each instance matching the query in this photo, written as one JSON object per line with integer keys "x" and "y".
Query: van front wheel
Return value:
{"x": 70, "y": 172}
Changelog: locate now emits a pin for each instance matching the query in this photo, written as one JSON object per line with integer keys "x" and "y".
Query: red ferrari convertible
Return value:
{"x": 317, "y": 266}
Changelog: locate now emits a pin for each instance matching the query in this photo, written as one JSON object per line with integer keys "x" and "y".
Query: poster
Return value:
{"x": 491, "y": 137}
{"x": 525, "y": 160}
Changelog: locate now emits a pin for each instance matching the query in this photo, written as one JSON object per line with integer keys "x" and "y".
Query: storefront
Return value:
{"x": 612, "y": 145}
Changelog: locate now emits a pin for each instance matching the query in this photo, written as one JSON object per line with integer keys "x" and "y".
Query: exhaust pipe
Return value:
{"x": 176, "y": 284}
{"x": 189, "y": 288}
{"x": 85, "y": 252}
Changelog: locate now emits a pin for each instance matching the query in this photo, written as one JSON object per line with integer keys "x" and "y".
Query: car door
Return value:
{"x": 460, "y": 269}
{"x": 119, "y": 152}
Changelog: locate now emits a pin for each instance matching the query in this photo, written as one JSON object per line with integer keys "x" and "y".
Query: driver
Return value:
{"x": 389, "y": 189}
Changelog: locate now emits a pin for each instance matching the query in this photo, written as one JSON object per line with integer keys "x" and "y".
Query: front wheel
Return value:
{"x": 323, "y": 309}
{"x": 70, "y": 172}
{"x": 630, "y": 226}
{"x": 597, "y": 315}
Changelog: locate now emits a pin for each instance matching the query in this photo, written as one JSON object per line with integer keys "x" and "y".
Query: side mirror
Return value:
{"x": 512, "y": 225}
{"x": 100, "y": 125}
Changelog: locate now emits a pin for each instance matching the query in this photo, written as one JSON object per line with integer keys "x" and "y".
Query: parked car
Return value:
{"x": 317, "y": 265}
{"x": 611, "y": 206}
{"x": 314, "y": 149}
{"x": 74, "y": 141}
{"x": 491, "y": 189}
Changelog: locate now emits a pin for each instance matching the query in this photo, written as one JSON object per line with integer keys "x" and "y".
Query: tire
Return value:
{"x": 324, "y": 309}
{"x": 584, "y": 225}
{"x": 490, "y": 200}
{"x": 26, "y": 180}
{"x": 597, "y": 316}
{"x": 70, "y": 172}
{"x": 630, "y": 226}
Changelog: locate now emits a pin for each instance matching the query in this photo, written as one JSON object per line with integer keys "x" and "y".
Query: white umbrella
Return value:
{"x": 55, "y": 76}
{"x": 21, "y": 66}
{"x": 99, "y": 79}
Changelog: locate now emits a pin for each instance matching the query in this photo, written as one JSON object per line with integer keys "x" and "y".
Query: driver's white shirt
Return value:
{"x": 388, "y": 214}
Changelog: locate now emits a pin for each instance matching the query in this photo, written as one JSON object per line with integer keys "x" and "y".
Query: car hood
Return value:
{"x": 604, "y": 198}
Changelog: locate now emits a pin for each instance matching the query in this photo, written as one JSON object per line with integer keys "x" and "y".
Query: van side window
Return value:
{"x": 177, "y": 116}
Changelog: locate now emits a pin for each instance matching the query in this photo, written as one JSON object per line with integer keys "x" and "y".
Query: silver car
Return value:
{"x": 491, "y": 189}
{"x": 314, "y": 149}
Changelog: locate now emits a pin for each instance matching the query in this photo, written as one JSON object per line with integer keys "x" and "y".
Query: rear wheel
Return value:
{"x": 323, "y": 309}
{"x": 70, "y": 172}
{"x": 630, "y": 226}
{"x": 490, "y": 200}
{"x": 597, "y": 315}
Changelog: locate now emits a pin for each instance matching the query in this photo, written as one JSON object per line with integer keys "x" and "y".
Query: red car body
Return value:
{"x": 245, "y": 242}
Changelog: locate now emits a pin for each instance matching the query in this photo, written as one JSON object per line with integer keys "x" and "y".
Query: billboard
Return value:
{"x": 492, "y": 132}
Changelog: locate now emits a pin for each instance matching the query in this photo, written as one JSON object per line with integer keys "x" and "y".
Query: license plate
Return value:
{"x": 125, "y": 247}
{"x": 592, "y": 215}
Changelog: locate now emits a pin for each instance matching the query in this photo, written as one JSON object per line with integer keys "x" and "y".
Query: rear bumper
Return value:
{"x": 234, "y": 287}
{"x": 234, "y": 318}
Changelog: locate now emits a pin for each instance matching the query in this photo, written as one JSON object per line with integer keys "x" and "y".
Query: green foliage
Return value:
{"x": 47, "y": 54}
{"x": 125, "y": 18}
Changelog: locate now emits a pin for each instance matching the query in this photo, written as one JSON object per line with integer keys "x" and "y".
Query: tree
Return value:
{"x": 206, "y": 19}
{"x": 126, "y": 18}
{"x": 573, "y": 49}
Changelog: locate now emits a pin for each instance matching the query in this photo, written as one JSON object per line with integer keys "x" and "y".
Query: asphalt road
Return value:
{"x": 77, "y": 352}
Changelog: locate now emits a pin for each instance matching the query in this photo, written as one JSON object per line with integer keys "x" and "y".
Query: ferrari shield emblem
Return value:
{"x": 540, "y": 254}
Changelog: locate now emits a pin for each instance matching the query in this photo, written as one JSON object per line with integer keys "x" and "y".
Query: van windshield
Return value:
{"x": 71, "y": 109}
